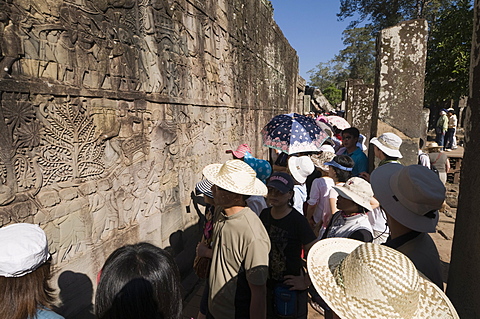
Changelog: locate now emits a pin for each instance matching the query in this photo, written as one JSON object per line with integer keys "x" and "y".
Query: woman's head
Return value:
{"x": 340, "y": 168}
{"x": 24, "y": 271}
{"x": 139, "y": 281}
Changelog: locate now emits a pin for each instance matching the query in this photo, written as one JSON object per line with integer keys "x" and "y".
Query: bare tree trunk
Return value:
{"x": 464, "y": 276}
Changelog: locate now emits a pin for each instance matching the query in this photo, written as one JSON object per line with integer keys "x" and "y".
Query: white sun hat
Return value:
{"x": 23, "y": 248}
{"x": 389, "y": 143}
{"x": 300, "y": 167}
{"x": 235, "y": 176}
{"x": 411, "y": 194}
{"x": 364, "y": 280}
{"x": 358, "y": 190}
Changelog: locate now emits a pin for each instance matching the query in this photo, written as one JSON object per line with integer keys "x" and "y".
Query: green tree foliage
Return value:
{"x": 333, "y": 94}
{"x": 356, "y": 61}
{"x": 327, "y": 74}
{"x": 385, "y": 13}
{"x": 359, "y": 54}
{"x": 448, "y": 59}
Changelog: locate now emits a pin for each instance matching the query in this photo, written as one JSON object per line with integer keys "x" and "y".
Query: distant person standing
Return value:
{"x": 450, "y": 139}
{"x": 423, "y": 158}
{"x": 350, "y": 138}
{"x": 440, "y": 160}
{"x": 441, "y": 128}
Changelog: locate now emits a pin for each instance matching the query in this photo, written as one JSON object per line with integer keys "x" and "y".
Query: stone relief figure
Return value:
{"x": 10, "y": 45}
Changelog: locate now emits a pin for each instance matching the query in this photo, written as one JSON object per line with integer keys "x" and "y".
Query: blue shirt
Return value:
{"x": 360, "y": 159}
{"x": 43, "y": 313}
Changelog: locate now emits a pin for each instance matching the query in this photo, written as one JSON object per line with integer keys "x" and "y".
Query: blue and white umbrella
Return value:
{"x": 293, "y": 133}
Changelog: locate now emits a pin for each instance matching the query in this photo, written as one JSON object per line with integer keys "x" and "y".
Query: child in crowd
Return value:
{"x": 24, "y": 273}
{"x": 289, "y": 232}
{"x": 320, "y": 206}
{"x": 351, "y": 220}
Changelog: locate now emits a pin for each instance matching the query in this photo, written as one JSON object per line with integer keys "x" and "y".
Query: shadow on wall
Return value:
{"x": 76, "y": 292}
{"x": 183, "y": 246}
{"x": 76, "y": 289}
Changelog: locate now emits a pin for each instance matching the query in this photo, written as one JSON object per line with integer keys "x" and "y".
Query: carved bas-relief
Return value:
{"x": 109, "y": 110}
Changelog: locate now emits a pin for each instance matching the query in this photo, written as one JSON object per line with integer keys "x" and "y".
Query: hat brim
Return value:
{"x": 342, "y": 191}
{"x": 386, "y": 150}
{"x": 211, "y": 173}
{"x": 326, "y": 255}
{"x": 382, "y": 190}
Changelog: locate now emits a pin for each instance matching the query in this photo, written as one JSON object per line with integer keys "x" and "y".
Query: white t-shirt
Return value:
{"x": 320, "y": 196}
{"x": 299, "y": 197}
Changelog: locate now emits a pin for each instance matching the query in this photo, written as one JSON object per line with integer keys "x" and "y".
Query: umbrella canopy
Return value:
{"x": 338, "y": 121}
{"x": 293, "y": 133}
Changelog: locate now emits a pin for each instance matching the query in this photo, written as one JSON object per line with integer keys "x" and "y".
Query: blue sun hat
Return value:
{"x": 260, "y": 166}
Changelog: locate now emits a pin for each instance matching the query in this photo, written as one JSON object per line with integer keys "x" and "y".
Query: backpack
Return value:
{"x": 432, "y": 167}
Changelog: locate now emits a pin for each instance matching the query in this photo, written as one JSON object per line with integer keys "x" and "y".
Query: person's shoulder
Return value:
{"x": 47, "y": 314}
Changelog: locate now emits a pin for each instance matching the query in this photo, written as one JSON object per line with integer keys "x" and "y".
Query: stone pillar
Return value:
{"x": 359, "y": 106}
{"x": 399, "y": 84}
{"x": 463, "y": 286}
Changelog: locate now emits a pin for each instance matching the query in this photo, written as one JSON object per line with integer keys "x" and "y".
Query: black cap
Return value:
{"x": 281, "y": 181}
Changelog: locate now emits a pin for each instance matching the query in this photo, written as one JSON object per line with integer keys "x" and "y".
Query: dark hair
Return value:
{"x": 352, "y": 131}
{"x": 345, "y": 161}
{"x": 139, "y": 281}
{"x": 421, "y": 143}
{"x": 20, "y": 297}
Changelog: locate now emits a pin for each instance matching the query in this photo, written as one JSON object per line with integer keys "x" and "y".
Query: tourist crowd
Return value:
{"x": 314, "y": 227}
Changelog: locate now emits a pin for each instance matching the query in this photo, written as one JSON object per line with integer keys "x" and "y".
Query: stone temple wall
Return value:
{"x": 111, "y": 108}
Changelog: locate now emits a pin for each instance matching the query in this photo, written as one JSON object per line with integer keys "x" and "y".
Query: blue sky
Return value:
{"x": 312, "y": 29}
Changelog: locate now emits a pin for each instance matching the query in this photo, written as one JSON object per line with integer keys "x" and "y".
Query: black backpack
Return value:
{"x": 432, "y": 167}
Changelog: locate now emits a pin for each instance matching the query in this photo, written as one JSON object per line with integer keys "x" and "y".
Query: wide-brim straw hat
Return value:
{"x": 363, "y": 280}
{"x": 389, "y": 143}
{"x": 23, "y": 248}
{"x": 319, "y": 159}
{"x": 411, "y": 194}
{"x": 235, "y": 176}
{"x": 433, "y": 145}
{"x": 357, "y": 190}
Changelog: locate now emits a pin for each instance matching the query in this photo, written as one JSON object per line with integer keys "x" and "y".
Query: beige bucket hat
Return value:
{"x": 389, "y": 143}
{"x": 235, "y": 176}
{"x": 358, "y": 190}
{"x": 363, "y": 280}
{"x": 411, "y": 194}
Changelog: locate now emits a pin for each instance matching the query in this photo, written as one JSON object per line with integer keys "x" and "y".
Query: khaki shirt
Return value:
{"x": 240, "y": 249}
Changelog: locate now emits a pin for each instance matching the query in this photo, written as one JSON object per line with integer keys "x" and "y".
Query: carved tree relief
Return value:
{"x": 69, "y": 150}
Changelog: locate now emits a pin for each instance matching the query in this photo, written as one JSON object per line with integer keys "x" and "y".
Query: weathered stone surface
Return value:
{"x": 359, "y": 106}
{"x": 399, "y": 83}
{"x": 109, "y": 111}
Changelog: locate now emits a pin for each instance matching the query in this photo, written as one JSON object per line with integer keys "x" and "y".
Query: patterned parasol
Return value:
{"x": 293, "y": 133}
{"x": 338, "y": 121}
